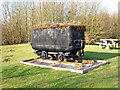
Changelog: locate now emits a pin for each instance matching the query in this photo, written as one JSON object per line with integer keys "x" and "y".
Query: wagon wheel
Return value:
{"x": 44, "y": 55}
{"x": 60, "y": 57}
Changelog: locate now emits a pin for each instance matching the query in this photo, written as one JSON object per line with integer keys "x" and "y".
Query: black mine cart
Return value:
{"x": 58, "y": 41}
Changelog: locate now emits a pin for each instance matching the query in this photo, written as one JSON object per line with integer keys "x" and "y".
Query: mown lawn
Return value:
{"x": 16, "y": 75}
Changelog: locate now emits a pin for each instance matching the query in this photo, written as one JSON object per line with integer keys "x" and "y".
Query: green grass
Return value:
{"x": 16, "y": 75}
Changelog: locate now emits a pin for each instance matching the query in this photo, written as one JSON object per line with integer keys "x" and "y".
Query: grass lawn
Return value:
{"x": 16, "y": 75}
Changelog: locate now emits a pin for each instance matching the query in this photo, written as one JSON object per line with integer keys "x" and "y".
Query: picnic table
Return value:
{"x": 108, "y": 42}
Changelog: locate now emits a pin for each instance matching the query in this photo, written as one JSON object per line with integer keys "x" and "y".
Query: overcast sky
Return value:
{"x": 111, "y": 5}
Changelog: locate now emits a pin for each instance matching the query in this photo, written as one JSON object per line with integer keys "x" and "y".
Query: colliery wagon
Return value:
{"x": 58, "y": 41}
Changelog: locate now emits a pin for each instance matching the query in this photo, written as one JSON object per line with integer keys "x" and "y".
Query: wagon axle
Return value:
{"x": 60, "y": 56}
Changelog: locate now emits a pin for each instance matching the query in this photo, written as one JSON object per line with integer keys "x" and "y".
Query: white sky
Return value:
{"x": 111, "y": 5}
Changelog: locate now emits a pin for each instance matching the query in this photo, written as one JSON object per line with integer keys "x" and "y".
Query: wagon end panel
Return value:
{"x": 77, "y": 38}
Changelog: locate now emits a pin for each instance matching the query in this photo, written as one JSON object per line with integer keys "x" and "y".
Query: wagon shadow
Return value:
{"x": 115, "y": 48}
{"x": 98, "y": 55}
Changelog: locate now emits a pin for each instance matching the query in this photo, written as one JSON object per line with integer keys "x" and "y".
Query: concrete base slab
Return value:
{"x": 67, "y": 66}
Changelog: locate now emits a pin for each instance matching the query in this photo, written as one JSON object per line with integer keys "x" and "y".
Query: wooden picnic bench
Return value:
{"x": 108, "y": 43}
